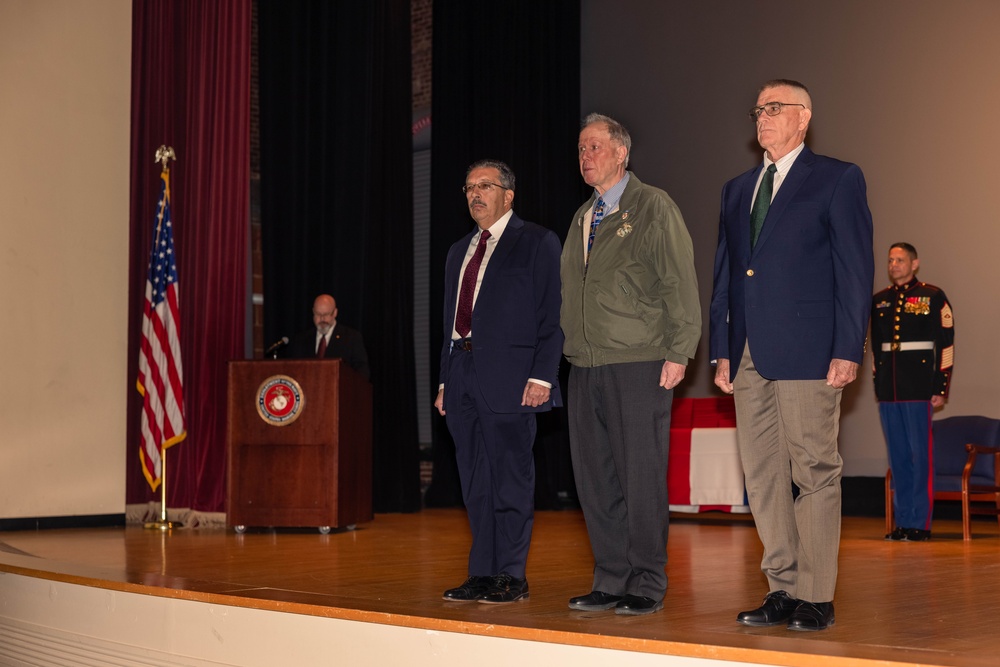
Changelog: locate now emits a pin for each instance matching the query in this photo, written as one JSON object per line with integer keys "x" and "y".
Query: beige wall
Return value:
{"x": 64, "y": 207}
{"x": 907, "y": 89}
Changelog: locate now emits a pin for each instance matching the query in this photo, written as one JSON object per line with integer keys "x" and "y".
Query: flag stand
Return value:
{"x": 163, "y": 523}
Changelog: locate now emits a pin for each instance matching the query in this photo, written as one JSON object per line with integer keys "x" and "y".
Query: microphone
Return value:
{"x": 277, "y": 345}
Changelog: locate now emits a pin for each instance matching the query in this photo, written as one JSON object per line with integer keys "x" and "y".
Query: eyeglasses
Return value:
{"x": 482, "y": 187}
{"x": 771, "y": 108}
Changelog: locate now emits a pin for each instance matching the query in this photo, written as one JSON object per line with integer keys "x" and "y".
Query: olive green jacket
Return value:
{"x": 638, "y": 298}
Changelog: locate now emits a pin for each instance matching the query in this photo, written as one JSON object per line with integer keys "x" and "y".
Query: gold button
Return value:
{"x": 750, "y": 272}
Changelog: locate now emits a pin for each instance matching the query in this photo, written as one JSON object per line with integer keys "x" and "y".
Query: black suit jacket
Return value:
{"x": 345, "y": 343}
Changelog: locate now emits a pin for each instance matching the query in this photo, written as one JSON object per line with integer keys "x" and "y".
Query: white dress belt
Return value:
{"x": 908, "y": 346}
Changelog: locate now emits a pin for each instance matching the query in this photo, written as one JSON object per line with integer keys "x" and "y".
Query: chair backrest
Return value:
{"x": 950, "y": 437}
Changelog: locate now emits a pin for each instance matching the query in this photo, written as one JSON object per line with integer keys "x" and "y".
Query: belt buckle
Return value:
{"x": 894, "y": 346}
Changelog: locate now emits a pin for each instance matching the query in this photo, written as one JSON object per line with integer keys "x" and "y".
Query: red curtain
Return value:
{"x": 191, "y": 91}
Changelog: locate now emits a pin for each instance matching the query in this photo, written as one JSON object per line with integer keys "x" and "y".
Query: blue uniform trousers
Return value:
{"x": 907, "y": 429}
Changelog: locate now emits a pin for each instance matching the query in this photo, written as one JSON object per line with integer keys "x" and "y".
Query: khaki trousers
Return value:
{"x": 787, "y": 433}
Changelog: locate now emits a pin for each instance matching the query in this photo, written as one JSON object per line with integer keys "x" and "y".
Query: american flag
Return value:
{"x": 161, "y": 377}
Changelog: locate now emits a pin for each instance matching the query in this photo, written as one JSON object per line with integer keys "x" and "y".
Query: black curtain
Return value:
{"x": 336, "y": 199}
{"x": 506, "y": 86}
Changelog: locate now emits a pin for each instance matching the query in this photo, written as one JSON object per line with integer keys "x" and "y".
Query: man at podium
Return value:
{"x": 329, "y": 339}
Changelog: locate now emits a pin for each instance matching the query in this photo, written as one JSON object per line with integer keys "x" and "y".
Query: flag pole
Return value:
{"x": 163, "y": 523}
{"x": 163, "y": 155}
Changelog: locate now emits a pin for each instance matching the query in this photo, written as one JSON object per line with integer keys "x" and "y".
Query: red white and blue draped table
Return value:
{"x": 704, "y": 471}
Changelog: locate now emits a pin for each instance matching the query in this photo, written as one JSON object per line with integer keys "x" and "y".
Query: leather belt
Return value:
{"x": 908, "y": 346}
{"x": 462, "y": 344}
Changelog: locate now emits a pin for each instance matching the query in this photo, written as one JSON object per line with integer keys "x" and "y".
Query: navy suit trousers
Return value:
{"x": 497, "y": 470}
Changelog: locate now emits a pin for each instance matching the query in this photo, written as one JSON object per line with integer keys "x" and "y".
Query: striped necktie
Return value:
{"x": 598, "y": 216}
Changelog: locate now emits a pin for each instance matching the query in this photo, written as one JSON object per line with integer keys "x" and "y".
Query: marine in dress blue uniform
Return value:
{"x": 913, "y": 347}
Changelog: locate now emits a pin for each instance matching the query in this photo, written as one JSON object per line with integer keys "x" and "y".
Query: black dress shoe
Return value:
{"x": 594, "y": 601}
{"x": 896, "y": 535}
{"x": 473, "y": 589}
{"x": 635, "y": 605}
{"x": 917, "y": 535}
{"x": 505, "y": 588}
{"x": 811, "y": 616}
{"x": 777, "y": 608}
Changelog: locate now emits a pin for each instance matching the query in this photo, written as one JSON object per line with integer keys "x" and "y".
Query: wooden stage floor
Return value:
{"x": 931, "y": 603}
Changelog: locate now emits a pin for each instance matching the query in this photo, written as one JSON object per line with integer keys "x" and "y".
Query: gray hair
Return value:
{"x": 790, "y": 83}
{"x": 616, "y": 130}
{"x": 506, "y": 174}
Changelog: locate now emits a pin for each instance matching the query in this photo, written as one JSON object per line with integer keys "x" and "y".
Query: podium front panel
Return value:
{"x": 299, "y": 444}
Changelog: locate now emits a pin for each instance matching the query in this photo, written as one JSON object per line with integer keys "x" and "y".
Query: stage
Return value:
{"x": 372, "y": 596}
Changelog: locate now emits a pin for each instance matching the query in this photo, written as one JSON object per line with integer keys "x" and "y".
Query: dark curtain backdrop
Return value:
{"x": 191, "y": 90}
{"x": 506, "y": 86}
{"x": 337, "y": 199}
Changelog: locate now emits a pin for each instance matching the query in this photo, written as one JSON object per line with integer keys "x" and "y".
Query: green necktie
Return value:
{"x": 761, "y": 204}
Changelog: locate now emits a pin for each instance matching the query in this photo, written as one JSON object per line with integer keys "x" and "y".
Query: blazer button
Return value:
{"x": 750, "y": 272}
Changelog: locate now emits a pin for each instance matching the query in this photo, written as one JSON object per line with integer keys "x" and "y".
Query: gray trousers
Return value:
{"x": 787, "y": 432}
{"x": 619, "y": 427}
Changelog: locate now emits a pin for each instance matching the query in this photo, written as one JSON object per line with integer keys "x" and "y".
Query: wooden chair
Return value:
{"x": 988, "y": 492}
{"x": 962, "y": 450}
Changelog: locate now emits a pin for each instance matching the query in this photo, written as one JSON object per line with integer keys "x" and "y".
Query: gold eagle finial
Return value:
{"x": 163, "y": 154}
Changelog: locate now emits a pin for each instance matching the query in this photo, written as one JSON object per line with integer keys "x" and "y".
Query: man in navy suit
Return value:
{"x": 328, "y": 339}
{"x": 499, "y": 366}
{"x": 790, "y": 305}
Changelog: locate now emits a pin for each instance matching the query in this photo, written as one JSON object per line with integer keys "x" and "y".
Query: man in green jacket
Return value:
{"x": 632, "y": 320}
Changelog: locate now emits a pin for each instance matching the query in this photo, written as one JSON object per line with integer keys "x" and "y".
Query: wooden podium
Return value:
{"x": 299, "y": 444}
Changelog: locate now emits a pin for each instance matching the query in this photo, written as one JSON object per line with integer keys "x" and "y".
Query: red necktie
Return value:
{"x": 463, "y": 318}
{"x": 321, "y": 350}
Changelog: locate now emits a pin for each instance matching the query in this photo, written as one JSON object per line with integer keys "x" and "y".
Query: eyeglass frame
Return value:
{"x": 756, "y": 111}
{"x": 485, "y": 186}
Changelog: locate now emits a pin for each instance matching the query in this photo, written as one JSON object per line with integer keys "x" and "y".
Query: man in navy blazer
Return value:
{"x": 789, "y": 313}
{"x": 499, "y": 366}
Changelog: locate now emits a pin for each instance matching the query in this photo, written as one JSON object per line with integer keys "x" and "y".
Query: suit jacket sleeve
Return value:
{"x": 719, "y": 309}
{"x": 853, "y": 265}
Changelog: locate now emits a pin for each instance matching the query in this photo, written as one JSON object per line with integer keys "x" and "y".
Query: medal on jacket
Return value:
{"x": 917, "y": 305}
{"x": 626, "y": 228}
